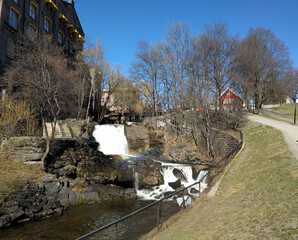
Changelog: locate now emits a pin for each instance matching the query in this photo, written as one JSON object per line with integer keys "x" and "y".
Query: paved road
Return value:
{"x": 289, "y": 131}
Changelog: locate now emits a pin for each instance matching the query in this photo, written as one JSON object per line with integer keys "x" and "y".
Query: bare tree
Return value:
{"x": 103, "y": 81}
{"x": 39, "y": 76}
{"x": 177, "y": 44}
{"x": 219, "y": 49}
{"x": 82, "y": 72}
{"x": 263, "y": 60}
{"x": 146, "y": 73}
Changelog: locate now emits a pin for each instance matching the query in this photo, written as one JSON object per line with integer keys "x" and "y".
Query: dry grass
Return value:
{"x": 284, "y": 113}
{"x": 257, "y": 198}
{"x": 14, "y": 175}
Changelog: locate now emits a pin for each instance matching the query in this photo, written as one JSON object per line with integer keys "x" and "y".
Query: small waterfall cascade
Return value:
{"x": 136, "y": 181}
{"x": 172, "y": 173}
{"x": 111, "y": 139}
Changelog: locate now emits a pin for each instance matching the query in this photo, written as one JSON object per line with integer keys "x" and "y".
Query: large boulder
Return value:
{"x": 137, "y": 137}
{"x": 75, "y": 158}
{"x": 149, "y": 173}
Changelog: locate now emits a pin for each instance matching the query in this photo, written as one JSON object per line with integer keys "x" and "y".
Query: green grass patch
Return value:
{"x": 13, "y": 175}
{"x": 257, "y": 198}
{"x": 285, "y": 113}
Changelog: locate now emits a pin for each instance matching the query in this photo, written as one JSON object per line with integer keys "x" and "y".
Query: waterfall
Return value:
{"x": 136, "y": 181}
{"x": 185, "y": 176}
{"x": 111, "y": 139}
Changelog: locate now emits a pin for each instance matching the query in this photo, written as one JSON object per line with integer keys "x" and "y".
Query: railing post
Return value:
{"x": 200, "y": 187}
{"x": 116, "y": 229}
{"x": 158, "y": 216}
{"x": 183, "y": 200}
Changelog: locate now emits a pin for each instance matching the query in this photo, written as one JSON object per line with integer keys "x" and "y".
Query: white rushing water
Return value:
{"x": 111, "y": 139}
{"x": 183, "y": 173}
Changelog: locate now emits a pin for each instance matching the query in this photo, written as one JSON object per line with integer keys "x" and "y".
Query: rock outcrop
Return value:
{"x": 25, "y": 149}
{"x": 137, "y": 137}
{"x": 37, "y": 200}
{"x": 89, "y": 170}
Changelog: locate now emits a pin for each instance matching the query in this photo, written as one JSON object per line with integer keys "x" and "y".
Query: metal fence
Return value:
{"x": 211, "y": 175}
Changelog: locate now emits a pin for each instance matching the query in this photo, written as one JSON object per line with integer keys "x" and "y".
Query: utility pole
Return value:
{"x": 296, "y": 98}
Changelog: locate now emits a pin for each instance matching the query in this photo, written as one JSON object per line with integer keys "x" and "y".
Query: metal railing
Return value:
{"x": 211, "y": 174}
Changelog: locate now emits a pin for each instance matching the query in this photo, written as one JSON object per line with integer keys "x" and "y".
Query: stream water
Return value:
{"x": 79, "y": 220}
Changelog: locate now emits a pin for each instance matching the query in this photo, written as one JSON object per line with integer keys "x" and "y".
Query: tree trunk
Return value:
{"x": 48, "y": 142}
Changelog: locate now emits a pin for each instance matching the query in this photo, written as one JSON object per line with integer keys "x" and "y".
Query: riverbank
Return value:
{"x": 256, "y": 198}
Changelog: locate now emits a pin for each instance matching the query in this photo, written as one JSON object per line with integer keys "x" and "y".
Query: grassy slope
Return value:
{"x": 285, "y": 112}
{"x": 14, "y": 175}
{"x": 257, "y": 198}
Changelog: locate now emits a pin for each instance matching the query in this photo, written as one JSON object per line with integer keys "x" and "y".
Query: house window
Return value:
{"x": 67, "y": 45}
{"x": 225, "y": 101}
{"x": 32, "y": 30}
{"x": 33, "y": 10}
{"x": 60, "y": 37}
{"x": 228, "y": 93}
{"x": 47, "y": 24}
{"x": 10, "y": 47}
{"x": 13, "y": 18}
{"x": 231, "y": 100}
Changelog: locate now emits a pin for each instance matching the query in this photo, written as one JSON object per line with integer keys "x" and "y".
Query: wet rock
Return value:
{"x": 15, "y": 213}
{"x": 130, "y": 193}
{"x": 35, "y": 208}
{"x": 52, "y": 188}
{"x": 73, "y": 198}
{"x": 52, "y": 203}
{"x": 176, "y": 184}
{"x": 149, "y": 173}
{"x": 194, "y": 191}
{"x": 91, "y": 196}
{"x": 59, "y": 211}
{"x": 197, "y": 169}
{"x": 5, "y": 221}
{"x": 178, "y": 174}
{"x": 137, "y": 137}
{"x": 63, "y": 196}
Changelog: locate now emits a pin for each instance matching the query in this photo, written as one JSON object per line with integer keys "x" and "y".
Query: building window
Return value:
{"x": 231, "y": 101}
{"x": 67, "y": 45}
{"x": 32, "y": 30}
{"x": 10, "y": 47}
{"x": 13, "y": 18}
{"x": 60, "y": 37}
{"x": 228, "y": 93}
{"x": 33, "y": 10}
{"x": 47, "y": 24}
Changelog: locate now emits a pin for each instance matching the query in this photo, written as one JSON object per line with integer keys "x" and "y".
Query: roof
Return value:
{"x": 231, "y": 90}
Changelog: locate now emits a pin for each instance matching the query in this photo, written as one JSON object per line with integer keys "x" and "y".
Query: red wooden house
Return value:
{"x": 230, "y": 100}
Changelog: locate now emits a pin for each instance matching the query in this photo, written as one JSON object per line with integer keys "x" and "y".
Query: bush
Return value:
{"x": 17, "y": 119}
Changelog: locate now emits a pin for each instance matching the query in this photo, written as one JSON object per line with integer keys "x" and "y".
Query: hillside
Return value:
{"x": 283, "y": 112}
{"x": 256, "y": 198}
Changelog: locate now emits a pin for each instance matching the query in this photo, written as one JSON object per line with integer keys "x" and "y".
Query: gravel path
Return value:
{"x": 289, "y": 131}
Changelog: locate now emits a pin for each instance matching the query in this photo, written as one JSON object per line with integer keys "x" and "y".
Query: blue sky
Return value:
{"x": 123, "y": 23}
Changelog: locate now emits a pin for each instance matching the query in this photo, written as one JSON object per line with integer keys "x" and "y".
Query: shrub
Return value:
{"x": 17, "y": 119}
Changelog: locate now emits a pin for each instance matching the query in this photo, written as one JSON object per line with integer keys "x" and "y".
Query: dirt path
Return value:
{"x": 289, "y": 131}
